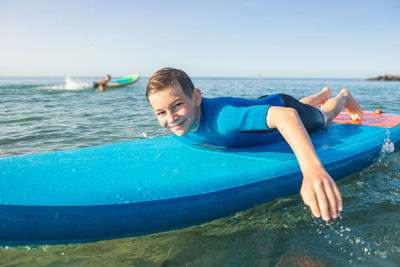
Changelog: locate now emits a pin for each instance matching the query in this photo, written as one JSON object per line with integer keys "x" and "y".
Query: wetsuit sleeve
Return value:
{"x": 237, "y": 119}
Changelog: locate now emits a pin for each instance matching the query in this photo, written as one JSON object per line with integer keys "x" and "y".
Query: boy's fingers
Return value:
{"x": 334, "y": 197}
{"x": 324, "y": 199}
{"x": 338, "y": 198}
{"x": 311, "y": 201}
{"x": 323, "y": 203}
{"x": 330, "y": 193}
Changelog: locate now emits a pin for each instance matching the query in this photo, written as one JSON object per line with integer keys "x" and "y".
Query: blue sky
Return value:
{"x": 338, "y": 39}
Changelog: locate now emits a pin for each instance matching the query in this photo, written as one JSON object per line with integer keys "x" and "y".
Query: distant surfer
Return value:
{"x": 228, "y": 121}
{"x": 101, "y": 85}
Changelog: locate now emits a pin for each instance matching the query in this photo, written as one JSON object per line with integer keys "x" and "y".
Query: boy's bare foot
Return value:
{"x": 352, "y": 106}
{"x": 317, "y": 99}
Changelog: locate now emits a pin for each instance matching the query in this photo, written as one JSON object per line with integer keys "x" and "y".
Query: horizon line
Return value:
{"x": 193, "y": 77}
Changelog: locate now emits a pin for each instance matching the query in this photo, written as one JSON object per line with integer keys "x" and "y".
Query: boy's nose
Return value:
{"x": 171, "y": 117}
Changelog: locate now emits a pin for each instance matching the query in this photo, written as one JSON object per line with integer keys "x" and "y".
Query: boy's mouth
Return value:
{"x": 174, "y": 126}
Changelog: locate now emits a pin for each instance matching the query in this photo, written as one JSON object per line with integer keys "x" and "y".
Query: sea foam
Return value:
{"x": 70, "y": 85}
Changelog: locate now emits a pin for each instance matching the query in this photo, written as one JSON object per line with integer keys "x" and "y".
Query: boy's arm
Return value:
{"x": 100, "y": 88}
{"x": 318, "y": 189}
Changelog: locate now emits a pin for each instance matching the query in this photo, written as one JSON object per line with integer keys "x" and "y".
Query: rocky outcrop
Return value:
{"x": 387, "y": 77}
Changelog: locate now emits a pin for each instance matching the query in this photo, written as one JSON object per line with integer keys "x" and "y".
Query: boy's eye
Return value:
{"x": 177, "y": 105}
{"x": 160, "y": 113}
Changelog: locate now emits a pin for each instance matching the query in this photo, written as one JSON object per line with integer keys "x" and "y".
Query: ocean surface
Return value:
{"x": 49, "y": 114}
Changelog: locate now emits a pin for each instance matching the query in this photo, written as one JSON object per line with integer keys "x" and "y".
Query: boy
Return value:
{"x": 101, "y": 85}
{"x": 227, "y": 121}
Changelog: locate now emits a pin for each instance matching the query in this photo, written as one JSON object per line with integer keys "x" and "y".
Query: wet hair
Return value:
{"x": 109, "y": 76}
{"x": 166, "y": 77}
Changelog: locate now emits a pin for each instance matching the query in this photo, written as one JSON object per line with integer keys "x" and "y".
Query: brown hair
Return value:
{"x": 166, "y": 77}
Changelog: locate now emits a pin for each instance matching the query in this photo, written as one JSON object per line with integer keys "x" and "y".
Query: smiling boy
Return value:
{"x": 226, "y": 121}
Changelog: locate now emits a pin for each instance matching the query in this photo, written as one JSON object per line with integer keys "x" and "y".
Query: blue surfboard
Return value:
{"x": 146, "y": 186}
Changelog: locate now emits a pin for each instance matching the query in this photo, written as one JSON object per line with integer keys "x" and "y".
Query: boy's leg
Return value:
{"x": 334, "y": 106}
{"x": 318, "y": 98}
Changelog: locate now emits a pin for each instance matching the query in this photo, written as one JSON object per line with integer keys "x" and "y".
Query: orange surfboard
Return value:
{"x": 377, "y": 118}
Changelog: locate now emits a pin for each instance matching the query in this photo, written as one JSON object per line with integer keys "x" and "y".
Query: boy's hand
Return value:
{"x": 321, "y": 194}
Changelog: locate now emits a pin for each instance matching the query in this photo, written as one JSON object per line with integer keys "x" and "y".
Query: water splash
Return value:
{"x": 354, "y": 247}
{"x": 388, "y": 146}
{"x": 70, "y": 85}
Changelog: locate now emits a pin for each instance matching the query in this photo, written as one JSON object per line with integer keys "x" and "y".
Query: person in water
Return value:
{"x": 227, "y": 121}
{"x": 101, "y": 85}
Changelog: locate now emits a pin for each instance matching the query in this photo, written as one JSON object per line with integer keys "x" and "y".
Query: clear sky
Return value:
{"x": 272, "y": 38}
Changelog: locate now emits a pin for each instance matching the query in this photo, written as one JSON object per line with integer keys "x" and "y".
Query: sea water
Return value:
{"x": 56, "y": 113}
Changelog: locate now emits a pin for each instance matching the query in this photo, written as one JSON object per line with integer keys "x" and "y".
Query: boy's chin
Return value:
{"x": 180, "y": 133}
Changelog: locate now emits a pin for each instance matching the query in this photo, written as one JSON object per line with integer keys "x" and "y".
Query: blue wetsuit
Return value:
{"x": 234, "y": 122}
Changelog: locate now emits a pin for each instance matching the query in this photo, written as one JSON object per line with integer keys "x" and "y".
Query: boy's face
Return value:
{"x": 176, "y": 111}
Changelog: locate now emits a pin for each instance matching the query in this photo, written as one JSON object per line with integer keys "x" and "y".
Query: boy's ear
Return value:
{"x": 197, "y": 96}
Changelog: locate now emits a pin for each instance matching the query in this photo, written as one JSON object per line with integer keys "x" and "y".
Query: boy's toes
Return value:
{"x": 355, "y": 117}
